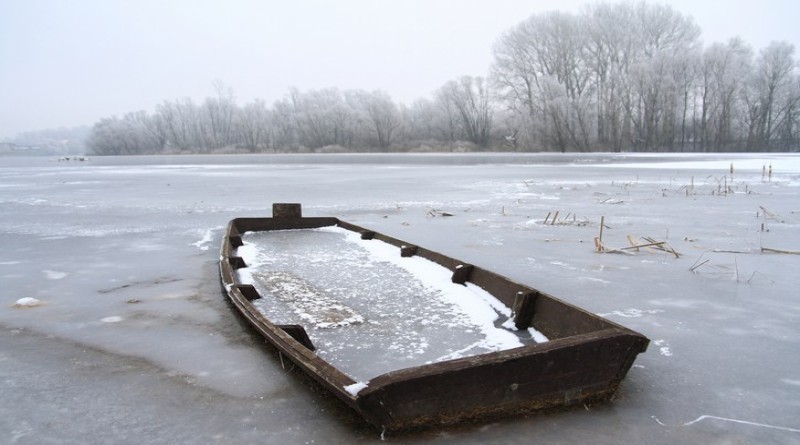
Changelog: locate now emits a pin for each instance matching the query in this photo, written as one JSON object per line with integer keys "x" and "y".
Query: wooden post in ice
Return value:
{"x": 599, "y": 243}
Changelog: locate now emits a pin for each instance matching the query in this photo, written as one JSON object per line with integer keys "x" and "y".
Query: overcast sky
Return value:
{"x": 69, "y": 63}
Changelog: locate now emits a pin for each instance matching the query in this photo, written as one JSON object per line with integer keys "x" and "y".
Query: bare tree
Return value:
{"x": 253, "y": 126}
{"x": 611, "y": 48}
{"x": 773, "y": 87}
{"x": 217, "y": 114}
{"x": 421, "y": 120}
{"x": 541, "y": 65}
{"x": 383, "y": 116}
{"x": 605, "y": 76}
{"x": 723, "y": 70}
{"x": 321, "y": 117}
{"x": 284, "y": 126}
{"x": 180, "y": 122}
{"x": 133, "y": 134}
{"x": 470, "y": 98}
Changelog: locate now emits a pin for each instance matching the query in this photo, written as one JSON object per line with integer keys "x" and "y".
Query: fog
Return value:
{"x": 72, "y": 64}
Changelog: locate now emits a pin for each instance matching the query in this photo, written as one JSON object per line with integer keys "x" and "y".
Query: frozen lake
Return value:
{"x": 131, "y": 340}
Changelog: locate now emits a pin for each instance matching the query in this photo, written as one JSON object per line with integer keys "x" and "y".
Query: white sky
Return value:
{"x": 68, "y": 63}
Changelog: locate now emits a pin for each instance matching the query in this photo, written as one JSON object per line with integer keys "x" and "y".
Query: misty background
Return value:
{"x": 145, "y": 77}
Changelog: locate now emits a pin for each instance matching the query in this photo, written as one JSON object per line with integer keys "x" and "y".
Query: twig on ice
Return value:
{"x": 790, "y": 252}
{"x": 771, "y": 215}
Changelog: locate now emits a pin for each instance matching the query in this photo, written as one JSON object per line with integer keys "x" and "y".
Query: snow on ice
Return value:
{"x": 27, "y": 302}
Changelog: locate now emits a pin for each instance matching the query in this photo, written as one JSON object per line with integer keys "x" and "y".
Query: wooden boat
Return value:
{"x": 584, "y": 361}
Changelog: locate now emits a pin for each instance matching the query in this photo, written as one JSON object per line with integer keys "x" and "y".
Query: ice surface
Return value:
{"x": 367, "y": 309}
{"x": 125, "y": 237}
{"x": 312, "y": 305}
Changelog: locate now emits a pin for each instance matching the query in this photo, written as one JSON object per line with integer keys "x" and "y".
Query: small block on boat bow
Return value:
{"x": 287, "y": 210}
{"x": 367, "y": 234}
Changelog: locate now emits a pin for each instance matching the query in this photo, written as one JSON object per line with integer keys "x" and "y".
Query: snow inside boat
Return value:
{"x": 409, "y": 337}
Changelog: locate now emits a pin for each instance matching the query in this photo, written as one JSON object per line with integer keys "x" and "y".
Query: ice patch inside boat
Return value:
{"x": 368, "y": 310}
{"x": 309, "y": 303}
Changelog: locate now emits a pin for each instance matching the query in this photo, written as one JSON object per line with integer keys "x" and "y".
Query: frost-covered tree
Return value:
{"x": 382, "y": 115}
{"x": 253, "y": 126}
{"x": 541, "y": 67}
{"x": 133, "y": 134}
{"x": 421, "y": 119}
{"x": 321, "y": 117}
{"x": 724, "y": 67}
{"x": 773, "y": 96}
{"x": 604, "y": 77}
{"x": 181, "y": 125}
{"x": 665, "y": 38}
{"x": 216, "y": 118}
{"x": 469, "y": 98}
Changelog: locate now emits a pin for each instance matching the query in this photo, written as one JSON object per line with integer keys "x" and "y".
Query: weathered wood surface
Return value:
{"x": 585, "y": 359}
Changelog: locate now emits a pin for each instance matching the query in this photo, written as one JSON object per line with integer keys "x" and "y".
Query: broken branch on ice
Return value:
{"x": 650, "y": 243}
{"x": 768, "y": 214}
{"x": 567, "y": 221}
{"x": 433, "y": 213}
{"x": 790, "y": 252}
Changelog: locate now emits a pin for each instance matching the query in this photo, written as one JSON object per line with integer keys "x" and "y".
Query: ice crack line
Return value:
{"x": 745, "y": 422}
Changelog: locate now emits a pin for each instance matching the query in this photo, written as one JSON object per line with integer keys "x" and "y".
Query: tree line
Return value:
{"x": 326, "y": 120}
{"x": 54, "y": 141}
{"x": 614, "y": 77}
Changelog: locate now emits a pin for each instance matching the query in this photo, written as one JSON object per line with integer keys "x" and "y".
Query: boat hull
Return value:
{"x": 585, "y": 360}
